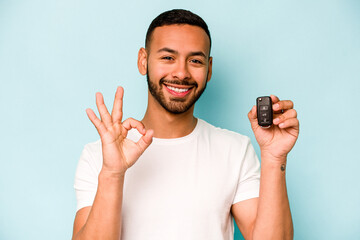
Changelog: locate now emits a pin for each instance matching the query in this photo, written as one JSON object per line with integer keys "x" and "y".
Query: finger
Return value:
{"x": 279, "y": 118}
{"x": 104, "y": 113}
{"x": 292, "y": 122}
{"x": 145, "y": 140}
{"x": 283, "y": 105}
{"x": 100, "y": 127}
{"x": 132, "y": 123}
{"x": 117, "y": 113}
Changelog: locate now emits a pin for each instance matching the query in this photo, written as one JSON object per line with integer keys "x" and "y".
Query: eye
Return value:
{"x": 197, "y": 61}
{"x": 167, "y": 58}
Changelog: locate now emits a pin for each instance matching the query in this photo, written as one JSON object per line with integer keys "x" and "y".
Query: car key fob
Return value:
{"x": 264, "y": 111}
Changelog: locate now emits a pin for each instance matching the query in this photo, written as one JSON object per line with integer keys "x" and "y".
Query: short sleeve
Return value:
{"x": 249, "y": 179}
{"x": 86, "y": 179}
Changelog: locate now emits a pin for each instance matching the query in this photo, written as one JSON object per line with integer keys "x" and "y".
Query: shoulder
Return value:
{"x": 93, "y": 148}
{"x": 92, "y": 155}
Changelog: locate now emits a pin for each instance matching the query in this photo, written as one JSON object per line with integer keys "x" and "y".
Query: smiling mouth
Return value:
{"x": 178, "y": 90}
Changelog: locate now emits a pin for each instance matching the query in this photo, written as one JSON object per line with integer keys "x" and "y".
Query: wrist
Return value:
{"x": 111, "y": 175}
{"x": 270, "y": 157}
{"x": 268, "y": 161}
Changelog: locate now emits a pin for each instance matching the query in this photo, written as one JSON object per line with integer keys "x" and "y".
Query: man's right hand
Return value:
{"x": 119, "y": 153}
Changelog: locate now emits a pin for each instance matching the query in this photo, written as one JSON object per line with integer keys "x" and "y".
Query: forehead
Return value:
{"x": 180, "y": 37}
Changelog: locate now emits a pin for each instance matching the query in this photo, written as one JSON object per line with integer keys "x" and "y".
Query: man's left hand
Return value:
{"x": 277, "y": 141}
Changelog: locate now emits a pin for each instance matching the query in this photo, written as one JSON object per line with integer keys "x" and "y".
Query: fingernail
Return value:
{"x": 276, "y": 106}
{"x": 281, "y": 125}
{"x": 276, "y": 120}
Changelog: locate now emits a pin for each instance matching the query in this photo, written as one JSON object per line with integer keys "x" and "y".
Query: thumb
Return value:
{"x": 145, "y": 141}
{"x": 253, "y": 118}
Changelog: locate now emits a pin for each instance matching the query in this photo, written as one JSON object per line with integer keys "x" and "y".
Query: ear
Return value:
{"x": 209, "y": 69}
{"x": 142, "y": 61}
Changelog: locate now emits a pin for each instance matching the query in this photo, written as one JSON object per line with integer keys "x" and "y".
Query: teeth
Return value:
{"x": 179, "y": 90}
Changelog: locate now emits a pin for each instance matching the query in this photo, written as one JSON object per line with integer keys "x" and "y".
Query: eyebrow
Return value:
{"x": 165, "y": 49}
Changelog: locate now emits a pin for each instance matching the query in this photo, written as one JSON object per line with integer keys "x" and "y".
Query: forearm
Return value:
{"x": 104, "y": 220}
{"x": 273, "y": 215}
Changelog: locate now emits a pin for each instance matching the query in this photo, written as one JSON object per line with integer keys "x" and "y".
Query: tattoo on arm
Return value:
{"x": 282, "y": 167}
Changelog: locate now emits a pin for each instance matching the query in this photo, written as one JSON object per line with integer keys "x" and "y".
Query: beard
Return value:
{"x": 174, "y": 105}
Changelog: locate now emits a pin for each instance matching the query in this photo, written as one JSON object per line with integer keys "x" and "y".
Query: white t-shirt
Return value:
{"x": 179, "y": 188}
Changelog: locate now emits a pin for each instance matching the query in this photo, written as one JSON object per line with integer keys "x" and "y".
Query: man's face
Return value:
{"x": 178, "y": 66}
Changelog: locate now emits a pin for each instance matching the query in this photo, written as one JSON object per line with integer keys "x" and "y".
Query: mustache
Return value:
{"x": 178, "y": 82}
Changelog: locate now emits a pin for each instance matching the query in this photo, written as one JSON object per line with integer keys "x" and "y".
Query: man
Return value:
{"x": 173, "y": 176}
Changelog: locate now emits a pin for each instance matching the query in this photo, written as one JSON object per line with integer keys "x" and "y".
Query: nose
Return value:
{"x": 181, "y": 71}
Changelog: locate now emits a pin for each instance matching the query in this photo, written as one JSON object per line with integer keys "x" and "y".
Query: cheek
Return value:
{"x": 158, "y": 71}
{"x": 199, "y": 75}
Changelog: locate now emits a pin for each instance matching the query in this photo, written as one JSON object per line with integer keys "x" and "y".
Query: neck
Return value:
{"x": 166, "y": 124}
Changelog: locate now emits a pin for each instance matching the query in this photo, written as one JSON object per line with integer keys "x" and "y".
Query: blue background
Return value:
{"x": 54, "y": 56}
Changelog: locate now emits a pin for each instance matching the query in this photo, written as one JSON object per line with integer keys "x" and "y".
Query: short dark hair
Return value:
{"x": 176, "y": 16}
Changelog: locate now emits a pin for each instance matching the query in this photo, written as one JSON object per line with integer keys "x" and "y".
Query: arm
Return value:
{"x": 269, "y": 216}
{"x": 103, "y": 219}
{"x": 273, "y": 219}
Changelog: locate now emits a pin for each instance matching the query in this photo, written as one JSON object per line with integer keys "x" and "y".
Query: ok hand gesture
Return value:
{"x": 119, "y": 153}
